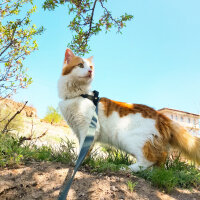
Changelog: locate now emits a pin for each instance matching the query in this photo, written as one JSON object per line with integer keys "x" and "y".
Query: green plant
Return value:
{"x": 9, "y": 150}
{"x": 131, "y": 185}
{"x": 116, "y": 156}
{"x": 174, "y": 174}
{"x": 114, "y": 160}
{"x": 12, "y": 152}
{"x": 53, "y": 115}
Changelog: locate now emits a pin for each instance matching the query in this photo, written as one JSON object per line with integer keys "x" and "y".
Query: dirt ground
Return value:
{"x": 44, "y": 180}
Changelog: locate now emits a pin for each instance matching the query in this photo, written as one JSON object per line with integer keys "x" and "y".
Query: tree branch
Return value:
{"x": 91, "y": 18}
{"x": 18, "y": 112}
{"x": 22, "y": 139}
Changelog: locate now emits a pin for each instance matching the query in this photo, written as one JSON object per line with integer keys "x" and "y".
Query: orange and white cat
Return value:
{"x": 137, "y": 129}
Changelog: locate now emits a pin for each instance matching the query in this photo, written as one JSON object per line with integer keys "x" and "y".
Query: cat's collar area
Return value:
{"x": 94, "y": 98}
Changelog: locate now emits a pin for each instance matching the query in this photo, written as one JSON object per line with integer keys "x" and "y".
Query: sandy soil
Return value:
{"x": 44, "y": 180}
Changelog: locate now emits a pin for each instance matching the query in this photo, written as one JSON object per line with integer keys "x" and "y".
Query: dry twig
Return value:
{"x": 22, "y": 139}
{"x": 18, "y": 112}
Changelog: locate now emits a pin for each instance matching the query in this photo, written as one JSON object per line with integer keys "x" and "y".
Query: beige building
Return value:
{"x": 188, "y": 120}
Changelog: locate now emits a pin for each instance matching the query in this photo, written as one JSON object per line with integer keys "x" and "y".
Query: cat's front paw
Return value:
{"x": 125, "y": 169}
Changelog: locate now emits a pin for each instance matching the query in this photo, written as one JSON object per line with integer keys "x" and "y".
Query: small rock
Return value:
{"x": 108, "y": 178}
{"x": 117, "y": 179}
{"x": 81, "y": 195}
{"x": 113, "y": 188}
{"x": 121, "y": 179}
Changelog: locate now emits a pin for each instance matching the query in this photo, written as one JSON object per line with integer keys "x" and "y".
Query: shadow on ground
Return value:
{"x": 44, "y": 180}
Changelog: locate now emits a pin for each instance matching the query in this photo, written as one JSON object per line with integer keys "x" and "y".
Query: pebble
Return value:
{"x": 117, "y": 179}
{"x": 113, "y": 188}
{"x": 108, "y": 178}
{"x": 81, "y": 195}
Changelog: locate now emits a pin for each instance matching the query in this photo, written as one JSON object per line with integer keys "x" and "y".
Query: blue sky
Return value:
{"x": 156, "y": 61}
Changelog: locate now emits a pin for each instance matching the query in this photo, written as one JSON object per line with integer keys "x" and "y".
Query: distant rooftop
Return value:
{"x": 170, "y": 109}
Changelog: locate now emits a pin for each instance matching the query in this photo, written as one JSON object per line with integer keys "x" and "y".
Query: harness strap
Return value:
{"x": 94, "y": 98}
{"x": 85, "y": 148}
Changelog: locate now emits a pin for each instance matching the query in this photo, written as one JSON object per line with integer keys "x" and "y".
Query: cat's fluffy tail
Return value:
{"x": 188, "y": 144}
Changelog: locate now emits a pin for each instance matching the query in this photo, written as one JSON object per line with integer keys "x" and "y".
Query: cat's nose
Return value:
{"x": 90, "y": 73}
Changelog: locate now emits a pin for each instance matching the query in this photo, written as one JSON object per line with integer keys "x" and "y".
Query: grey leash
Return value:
{"x": 85, "y": 148}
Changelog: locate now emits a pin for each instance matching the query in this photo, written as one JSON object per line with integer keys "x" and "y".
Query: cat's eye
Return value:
{"x": 81, "y": 65}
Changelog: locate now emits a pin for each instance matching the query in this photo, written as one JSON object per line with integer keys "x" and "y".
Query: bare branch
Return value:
{"x": 22, "y": 139}
{"x": 18, "y": 112}
{"x": 91, "y": 18}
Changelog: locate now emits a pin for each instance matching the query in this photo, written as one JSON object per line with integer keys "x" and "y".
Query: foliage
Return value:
{"x": 16, "y": 42}
{"x": 53, "y": 115}
{"x": 114, "y": 160}
{"x": 174, "y": 174}
{"x": 12, "y": 152}
{"x": 85, "y": 24}
{"x": 15, "y": 125}
{"x": 116, "y": 156}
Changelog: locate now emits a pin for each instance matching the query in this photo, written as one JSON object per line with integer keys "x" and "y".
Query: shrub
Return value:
{"x": 53, "y": 115}
{"x": 12, "y": 152}
{"x": 9, "y": 150}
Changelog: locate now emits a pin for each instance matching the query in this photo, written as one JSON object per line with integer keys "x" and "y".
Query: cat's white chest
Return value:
{"x": 78, "y": 113}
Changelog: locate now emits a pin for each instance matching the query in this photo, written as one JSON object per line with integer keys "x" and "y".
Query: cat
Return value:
{"x": 134, "y": 128}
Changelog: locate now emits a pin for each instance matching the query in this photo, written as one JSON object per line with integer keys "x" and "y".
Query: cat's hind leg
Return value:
{"x": 152, "y": 153}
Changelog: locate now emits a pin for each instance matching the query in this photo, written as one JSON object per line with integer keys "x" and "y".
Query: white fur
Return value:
{"x": 128, "y": 133}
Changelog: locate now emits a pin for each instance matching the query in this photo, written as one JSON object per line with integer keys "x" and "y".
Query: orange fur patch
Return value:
{"x": 73, "y": 63}
{"x": 155, "y": 152}
{"x": 124, "y": 108}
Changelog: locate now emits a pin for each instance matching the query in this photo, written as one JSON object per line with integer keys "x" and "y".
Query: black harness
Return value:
{"x": 94, "y": 98}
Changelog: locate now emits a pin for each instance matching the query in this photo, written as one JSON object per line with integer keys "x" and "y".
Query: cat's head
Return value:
{"x": 78, "y": 68}
{"x": 77, "y": 75}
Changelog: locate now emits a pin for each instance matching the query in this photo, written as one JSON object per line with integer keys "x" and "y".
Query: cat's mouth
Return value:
{"x": 88, "y": 76}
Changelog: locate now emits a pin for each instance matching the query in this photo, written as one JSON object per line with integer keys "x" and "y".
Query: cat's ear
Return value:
{"x": 68, "y": 56}
{"x": 91, "y": 59}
